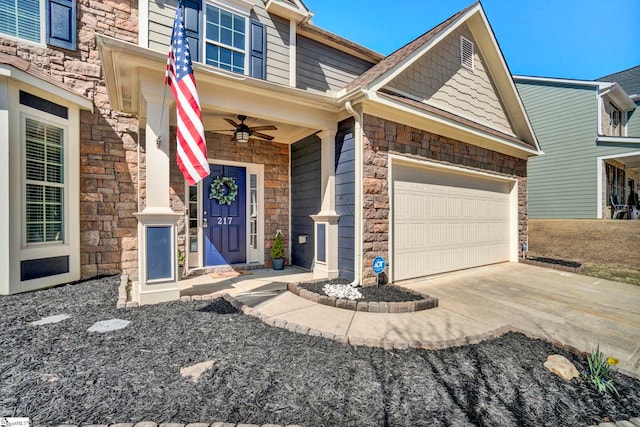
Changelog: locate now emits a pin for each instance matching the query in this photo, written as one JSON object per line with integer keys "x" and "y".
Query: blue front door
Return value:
{"x": 224, "y": 222}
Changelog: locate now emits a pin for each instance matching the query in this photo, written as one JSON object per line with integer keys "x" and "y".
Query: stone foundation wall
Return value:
{"x": 107, "y": 138}
{"x": 384, "y": 137}
{"x": 274, "y": 157}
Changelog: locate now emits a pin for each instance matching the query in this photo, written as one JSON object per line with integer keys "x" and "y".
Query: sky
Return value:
{"x": 573, "y": 39}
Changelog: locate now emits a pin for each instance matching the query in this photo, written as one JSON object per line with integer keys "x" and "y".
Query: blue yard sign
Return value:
{"x": 378, "y": 265}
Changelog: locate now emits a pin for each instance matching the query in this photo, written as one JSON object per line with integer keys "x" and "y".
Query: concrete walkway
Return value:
{"x": 576, "y": 310}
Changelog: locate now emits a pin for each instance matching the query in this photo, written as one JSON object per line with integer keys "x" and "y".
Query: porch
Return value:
{"x": 233, "y": 215}
{"x": 240, "y": 280}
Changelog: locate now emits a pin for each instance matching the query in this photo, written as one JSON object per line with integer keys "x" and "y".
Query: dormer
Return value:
{"x": 615, "y": 108}
{"x": 293, "y": 10}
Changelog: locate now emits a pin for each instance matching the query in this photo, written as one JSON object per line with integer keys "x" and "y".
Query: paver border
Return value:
{"x": 425, "y": 303}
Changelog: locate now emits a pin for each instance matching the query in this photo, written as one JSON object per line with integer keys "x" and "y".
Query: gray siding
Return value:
{"x": 305, "y": 197}
{"x": 633, "y": 123}
{"x": 562, "y": 183}
{"x": 277, "y": 30}
{"x": 161, "y": 16}
{"x": 322, "y": 68}
{"x": 345, "y": 197}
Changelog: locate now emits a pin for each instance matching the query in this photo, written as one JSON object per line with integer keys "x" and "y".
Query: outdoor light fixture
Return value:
{"x": 242, "y": 134}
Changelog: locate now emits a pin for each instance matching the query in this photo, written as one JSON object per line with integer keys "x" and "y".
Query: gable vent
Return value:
{"x": 466, "y": 52}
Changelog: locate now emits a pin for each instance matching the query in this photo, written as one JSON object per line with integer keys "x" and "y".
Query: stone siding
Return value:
{"x": 274, "y": 157}
{"x": 108, "y": 139}
{"x": 384, "y": 137}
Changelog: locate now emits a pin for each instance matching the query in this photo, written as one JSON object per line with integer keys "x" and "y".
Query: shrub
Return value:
{"x": 277, "y": 250}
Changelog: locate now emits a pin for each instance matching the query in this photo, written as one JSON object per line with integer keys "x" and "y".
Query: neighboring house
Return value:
{"x": 590, "y": 134}
{"x": 419, "y": 157}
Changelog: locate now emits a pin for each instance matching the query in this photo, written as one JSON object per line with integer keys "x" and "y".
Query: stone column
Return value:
{"x": 326, "y": 221}
{"x": 157, "y": 223}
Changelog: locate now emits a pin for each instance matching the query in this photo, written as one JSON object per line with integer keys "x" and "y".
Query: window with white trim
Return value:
{"x": 253, "y": 211}
{"x": 226, "y": 39}
{"x": 466, "y": 52}
{"x": 615, "y": 121}
{"x": 44, "y": 182}
{"x": 21, "y": 19}
{"x": 40, "y": 21}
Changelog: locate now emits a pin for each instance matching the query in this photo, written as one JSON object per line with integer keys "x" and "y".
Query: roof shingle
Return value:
{"x": 628, "y": 79}
{"x": 399, "y": 55}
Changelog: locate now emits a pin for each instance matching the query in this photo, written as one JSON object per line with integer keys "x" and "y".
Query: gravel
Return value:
{"x": 372, "y": 293}
{"x": 60, "y": 373}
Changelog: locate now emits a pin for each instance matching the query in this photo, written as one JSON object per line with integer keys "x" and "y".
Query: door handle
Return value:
{"x": 205, "y": 224}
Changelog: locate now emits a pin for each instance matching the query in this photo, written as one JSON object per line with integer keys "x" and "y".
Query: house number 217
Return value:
{"x": 224, "y": 220}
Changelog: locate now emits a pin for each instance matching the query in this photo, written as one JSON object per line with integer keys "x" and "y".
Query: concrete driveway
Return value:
{"x": 577, "y": 310}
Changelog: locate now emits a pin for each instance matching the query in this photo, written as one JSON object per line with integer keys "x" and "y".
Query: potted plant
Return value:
{"x": 277, "y": 252}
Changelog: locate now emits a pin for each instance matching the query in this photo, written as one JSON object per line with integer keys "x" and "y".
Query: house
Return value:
{"x": 419, "y": 157}
{"x": 590, "y": 134}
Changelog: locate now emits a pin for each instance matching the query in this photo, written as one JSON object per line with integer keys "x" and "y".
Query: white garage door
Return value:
{"x": 444, "y": 221}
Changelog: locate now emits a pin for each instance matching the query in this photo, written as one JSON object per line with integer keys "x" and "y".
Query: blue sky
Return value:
{"x": 577, "y": 39}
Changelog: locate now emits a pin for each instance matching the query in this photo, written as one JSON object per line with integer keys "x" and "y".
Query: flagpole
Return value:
{"x": 164, "y": 92}
{"x": 164, "y": 95}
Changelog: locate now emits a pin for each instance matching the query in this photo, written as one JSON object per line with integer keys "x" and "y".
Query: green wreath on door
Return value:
{"x": 224, "y": 189}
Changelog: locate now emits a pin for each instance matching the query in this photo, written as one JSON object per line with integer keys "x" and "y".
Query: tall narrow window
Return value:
{"x": 225, "y": 39}
{"x": 253, "y": 211}
{"x": 44, "y": 190}
{"x": 615, "y": 121}
{"x": 193, "y": 219}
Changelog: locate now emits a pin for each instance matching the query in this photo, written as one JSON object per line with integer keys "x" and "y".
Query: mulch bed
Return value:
{"x": 371, "y": 293}
{"x": 60, "y": 373}
{"x": 558, "y": 264}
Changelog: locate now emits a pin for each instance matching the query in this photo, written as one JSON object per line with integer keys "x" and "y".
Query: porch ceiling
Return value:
{"x": 630, "y": 162}
{"x": 131, "y": 70}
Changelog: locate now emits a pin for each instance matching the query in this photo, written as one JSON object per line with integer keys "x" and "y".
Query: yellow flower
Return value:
{"x": 612, "y": 361}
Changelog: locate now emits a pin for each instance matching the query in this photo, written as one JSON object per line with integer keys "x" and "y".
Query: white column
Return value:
{"x": 5, "y": 187}
{"x": 157, "y": 155}
{"x": 157, "y": 223}
{"x": 326, "y": 221}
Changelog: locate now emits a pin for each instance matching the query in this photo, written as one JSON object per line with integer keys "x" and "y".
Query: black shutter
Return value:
{"x": 61, "y": 23}
{"x": 257, "y": 50}
{"x": 192, "y": 22}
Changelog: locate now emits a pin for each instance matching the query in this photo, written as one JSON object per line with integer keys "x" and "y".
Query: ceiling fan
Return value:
{"x": 243, "y": 132}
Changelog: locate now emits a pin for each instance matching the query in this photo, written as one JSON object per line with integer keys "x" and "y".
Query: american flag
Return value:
{"x": 191, "y": 146}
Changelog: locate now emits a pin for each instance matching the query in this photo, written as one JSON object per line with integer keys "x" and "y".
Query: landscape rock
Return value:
{"x": 561, "y": 366}
{"x": 50, "y": 319}
{"x": 108, "y": 325}
{"x": 196, "y": 371}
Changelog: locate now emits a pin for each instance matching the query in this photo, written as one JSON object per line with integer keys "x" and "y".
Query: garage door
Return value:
{"x": 445, "y": 221}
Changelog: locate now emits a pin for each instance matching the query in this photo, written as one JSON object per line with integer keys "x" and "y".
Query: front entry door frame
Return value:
{"x": 254, "y": 208}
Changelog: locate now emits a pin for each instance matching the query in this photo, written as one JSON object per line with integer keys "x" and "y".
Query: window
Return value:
{"x": 44, "y": 191}
{"x": 615, "y": 123}
{"x": 193, "y": 219}
{"x": 229, "y": 39}
{"x": 466, "y": 52}
{"x": 32, "y": 19}
{"x": 225, "y": 39}
{"x": 21, "y": 19}
{"x": 253, "y": 211}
